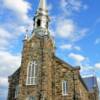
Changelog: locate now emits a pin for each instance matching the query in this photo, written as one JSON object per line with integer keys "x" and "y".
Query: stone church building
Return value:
{"x": 44, "y": 76}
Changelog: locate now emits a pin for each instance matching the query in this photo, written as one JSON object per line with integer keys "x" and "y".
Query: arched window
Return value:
{"x": 31, "y": 73}
{"x": 64, "y": 88}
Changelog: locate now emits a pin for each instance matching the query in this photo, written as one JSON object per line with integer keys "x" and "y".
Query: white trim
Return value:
{"x": 87, "y": 76}
{"x": 27, "y": 74}
{"x": 16, "y": 91}
{"x": 64, "y": 88}
{"x": 30, "y": 98}
{"x": 31, "y": 73}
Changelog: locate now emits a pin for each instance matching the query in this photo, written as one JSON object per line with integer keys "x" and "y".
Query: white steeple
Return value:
{"x": 42, "y": 5}
{"x": 42, "y": 9}
{"x": 41, "y": 19}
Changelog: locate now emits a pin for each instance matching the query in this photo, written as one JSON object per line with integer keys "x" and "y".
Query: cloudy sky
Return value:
{"x": 75, "y": 26}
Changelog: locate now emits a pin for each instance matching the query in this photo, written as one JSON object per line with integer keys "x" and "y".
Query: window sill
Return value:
{"x": 31, "y": 84}
{"x": 64, "y": 94}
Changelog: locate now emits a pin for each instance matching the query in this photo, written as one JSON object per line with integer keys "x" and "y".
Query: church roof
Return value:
{"x": 68, "y": 65}
{"x": 91, "y": 83}
{"x": 16, "y": 73}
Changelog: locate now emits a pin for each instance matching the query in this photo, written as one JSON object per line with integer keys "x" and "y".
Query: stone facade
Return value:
{"x": 13, "y": 81}
{"x": 50, "y": 71}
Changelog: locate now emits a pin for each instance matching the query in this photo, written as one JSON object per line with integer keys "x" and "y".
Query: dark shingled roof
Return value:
{"x": 91, "y": 83}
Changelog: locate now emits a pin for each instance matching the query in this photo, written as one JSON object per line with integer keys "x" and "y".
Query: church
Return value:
{"x": 44, "y": 76}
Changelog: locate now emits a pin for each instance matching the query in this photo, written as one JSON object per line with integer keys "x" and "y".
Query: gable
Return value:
{"x": 65, "y": 64}
{"x": 91, "y": 83}
{"x": 16, "y": 74}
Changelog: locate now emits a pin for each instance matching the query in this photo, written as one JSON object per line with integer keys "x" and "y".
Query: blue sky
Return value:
{"x": 75, "y": 26}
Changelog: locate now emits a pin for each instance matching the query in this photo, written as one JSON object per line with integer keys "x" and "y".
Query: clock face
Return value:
{"x": 46, "y": 33}
{"x": 42, "y": 33}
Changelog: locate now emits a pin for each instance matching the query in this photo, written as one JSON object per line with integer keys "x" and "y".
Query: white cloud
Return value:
{"x": 67, "y": 28}
{"x": 97, "y": 65}
{"x": 14, "y": 27}
{"x": 3, "y": 82}
{"x": 68, "y": 6}
{"x": 77, "y": 48}
{"x": 19, "y": 7}
{"x": 4, "y": 34}
{"x": 4, "y": 37}
{"x": 87, "y": 70}
{"x": 85, "y": 76}
{"x": 97, "y": 41}
{"x": 66, "y": 46}
{"x": 77, "y": 57}
{"x": 75, "y": 4}
{"x": 10, "y": 32}
{"x": 8, "y": 38}
{"x": 85, "y": 7}
{"x": 50, "y": 7}
{"x": 8, "y": 62}
{"x": 3, "y": 88}
{"x": 69, "y": 47}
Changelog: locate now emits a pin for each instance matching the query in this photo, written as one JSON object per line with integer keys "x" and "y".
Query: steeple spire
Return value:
{"x": 42, "y": 5}
{"x": 42, "y": 9}
{"x": 41, "y": 19}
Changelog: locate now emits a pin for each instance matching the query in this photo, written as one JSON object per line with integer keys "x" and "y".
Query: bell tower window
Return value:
{"x": 38, "y": 22}
{"x": 47, "y": 24}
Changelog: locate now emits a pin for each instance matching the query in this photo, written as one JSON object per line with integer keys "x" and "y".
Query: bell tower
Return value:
{"x": 41, "y": 19}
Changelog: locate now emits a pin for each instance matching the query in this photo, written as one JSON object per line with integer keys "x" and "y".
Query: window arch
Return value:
{"x": 31, "y": 73}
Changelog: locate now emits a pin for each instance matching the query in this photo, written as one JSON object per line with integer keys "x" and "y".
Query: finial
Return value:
{"x": 26, "y": 35}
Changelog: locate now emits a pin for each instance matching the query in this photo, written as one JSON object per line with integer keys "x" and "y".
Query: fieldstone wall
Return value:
{"x": 51, "y": 72}
{"x": 13, "y": 81}
{"x": 40, "y": 50}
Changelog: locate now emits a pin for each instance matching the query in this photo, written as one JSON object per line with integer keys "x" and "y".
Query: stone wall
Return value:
{"x": 41, "y": 51}
{"x": 13, "y": 81}
{"x": 51, "y": 72}
{"x": 82, "y": 90}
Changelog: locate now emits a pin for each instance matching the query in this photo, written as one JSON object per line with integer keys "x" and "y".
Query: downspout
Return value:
{"x": 74, "y": 90}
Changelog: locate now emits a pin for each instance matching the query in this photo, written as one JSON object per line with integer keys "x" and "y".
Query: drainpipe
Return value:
{"x": 74, "y": 91}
